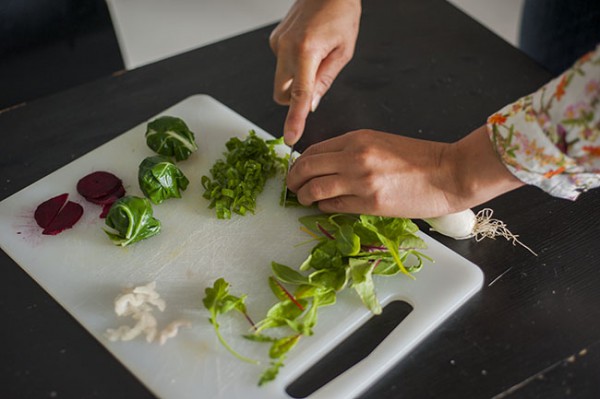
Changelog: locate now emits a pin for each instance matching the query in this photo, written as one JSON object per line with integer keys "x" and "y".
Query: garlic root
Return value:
{"x": 467, "y": 224}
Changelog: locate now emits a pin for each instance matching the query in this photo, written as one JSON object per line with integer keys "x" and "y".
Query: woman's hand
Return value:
{"x": 378, "y": 173}
{"x": 312, "y": 44}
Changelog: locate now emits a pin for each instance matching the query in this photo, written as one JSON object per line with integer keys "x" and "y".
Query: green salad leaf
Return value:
{"x": 219, "y": 301}
{"x": 161, "y": 179}
{"x": 361, "y": 271}
{"x": 271, "y": 373}
{"x": 237, "y": 179}
{"x": 350, "y": 251}
{"x": 171, "y": 137}
{"x": 131, "y": 218}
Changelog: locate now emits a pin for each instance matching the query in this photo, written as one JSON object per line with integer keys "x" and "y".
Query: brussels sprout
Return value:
{"x": 170, "y": 136}
{"x": 132, "y": 219}
{"x": 160, "y": 179}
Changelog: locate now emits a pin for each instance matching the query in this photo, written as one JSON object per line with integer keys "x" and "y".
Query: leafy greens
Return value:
{"x": 131, "y": 218}
{"x": 350, "y": 250}
{"x": 160, "y": 179}
{"x": 171, "y": 137}
{"x": 239, "y": 178}
{"x": 218, "y": 301}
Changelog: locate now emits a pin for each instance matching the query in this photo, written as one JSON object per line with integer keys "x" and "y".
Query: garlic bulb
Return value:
{"x": 467, "y": 224}
{"x": 459, "y": 225}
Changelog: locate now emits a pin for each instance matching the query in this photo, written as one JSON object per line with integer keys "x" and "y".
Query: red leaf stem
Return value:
{"x": 247, "y": 316}
{"x": 373, "y": 248}
{"x": 375, "y": 264}
{"x": 325, "y": 232}
{"x": 289, "y": 295}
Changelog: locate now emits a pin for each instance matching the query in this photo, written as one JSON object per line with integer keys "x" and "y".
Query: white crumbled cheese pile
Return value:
{"x": 139, "y": 303}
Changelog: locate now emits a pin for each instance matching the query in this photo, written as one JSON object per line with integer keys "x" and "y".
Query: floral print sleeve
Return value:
{"x": 551, "y": 138}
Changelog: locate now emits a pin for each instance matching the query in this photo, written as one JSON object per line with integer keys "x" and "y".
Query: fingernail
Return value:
{"x": 315, "y": 103}
{"x": 288, "y": 138}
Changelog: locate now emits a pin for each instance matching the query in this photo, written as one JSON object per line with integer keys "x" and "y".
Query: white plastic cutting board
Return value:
{"x": 84, "y": 272}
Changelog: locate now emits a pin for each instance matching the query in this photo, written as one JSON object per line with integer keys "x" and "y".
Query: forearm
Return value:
{"x": 477, "y": 173}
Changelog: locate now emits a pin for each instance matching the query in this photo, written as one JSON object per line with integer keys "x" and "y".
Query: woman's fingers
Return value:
{"x": 283, "y": 82}
{"x": 323, "y": 188}
{"x": 346, "y": 204}
{"x": 335, "y": 198}
{"x": 335, "y": 144}
{"x": 333, "y": 168}
{"x": 321, "y": 159}
{"x": 376, "y": 173}
{"x": 328, "y": 71}
{"x": 301, "y": 92}
{"x": 303, "y": 86}
{"x": 313, "y": 42}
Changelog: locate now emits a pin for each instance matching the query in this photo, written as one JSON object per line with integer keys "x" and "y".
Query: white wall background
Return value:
{"x": 150, "y": 30}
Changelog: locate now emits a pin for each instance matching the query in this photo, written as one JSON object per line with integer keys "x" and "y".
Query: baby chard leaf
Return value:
{"x": 411, "y": 241}
{"x": 312, "y": 223}
{"x": 335, "y": 279}
{"x": 308, "y": 291}
{"x": 310, "y": 318}
{"x": 327, "y": 298}
{"x": 388, "y": 231}
{"x": 282, "y": 346}
{"x": 385, "y": 267}
{"x": 282, "y": 293}
{"x": 271, "y": 373}
{"x": 277, "y": 289}
{"x": 306, "y": 264}
{"x": 260, "y": 338}
{"x": 362, "y": 282}
{"x": 218, "y": 301}
{"x": 288, "y": 275}
{"x": 347, "y": 242}
{"x": 326, "y": 255}
{"x": 285, "y": 310}
{"x": 281, "y": 314}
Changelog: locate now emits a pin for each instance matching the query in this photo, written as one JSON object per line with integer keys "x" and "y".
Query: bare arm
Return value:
{"x": 482, "y": 175}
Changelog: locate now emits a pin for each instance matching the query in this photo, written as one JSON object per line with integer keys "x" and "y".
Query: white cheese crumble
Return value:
{"x": 139, "y": 303}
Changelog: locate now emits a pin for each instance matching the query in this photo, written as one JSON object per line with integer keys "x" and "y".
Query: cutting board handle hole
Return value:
{"x": 350, "y": 351}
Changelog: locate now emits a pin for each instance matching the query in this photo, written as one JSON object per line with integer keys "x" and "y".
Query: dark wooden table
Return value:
{"x": 423, "y": 69}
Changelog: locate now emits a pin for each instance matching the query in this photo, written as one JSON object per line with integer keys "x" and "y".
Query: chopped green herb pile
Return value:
{"x": 131, "y": 218}
{"x": 239, "y": 178}
{"x": 160, "y": 179}
{"x": 350, "y": 250}
{"x": 171, "y": 137}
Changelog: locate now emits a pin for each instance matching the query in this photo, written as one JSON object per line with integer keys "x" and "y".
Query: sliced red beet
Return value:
{"x": 110, "y": 198}
{"x": 66, "y": 218}
{"x": 105, "y": 210}
{"x": 98, "y": 185}
{"x": 47, "y": 210}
